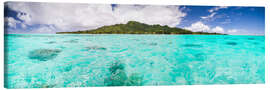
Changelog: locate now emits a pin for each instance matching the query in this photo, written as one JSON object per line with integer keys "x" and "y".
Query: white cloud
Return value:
{"x": 201, "y": 27}
{"x": 241, "y": 32}
{"x": 11, "y": 22}
{"x": 218, "y": 29}
{"x": 198, "y": 27}
{"x": 232, "y": 31}
{"x": 23, "y": 26}
{"x": 44, "y": 29}
{"x": 217, "y": 8}
{"x": 213, "y": 13}
{"x": 209, "y": 16}
{"x": 72, "y": 17}
{"x": 164, "y": 15}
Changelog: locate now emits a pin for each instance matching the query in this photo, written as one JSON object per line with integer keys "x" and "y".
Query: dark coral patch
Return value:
{"x": 95, "y": 48}
{"x": 153, "y": 44}
{"x": 193, "y": 45}
{"x": 118, "y": 76}
{"x": 251, "y": 38}
{"x": 200, "y": 57}
{"x": 134, "y": 79}
{"x": 256, "y": 43}
{"x": 51, "y": 42}
{"x": 231, "y": 43}
{"x": 62, "y": 47}
{"x": 150, "y": 44}
{"x": 66, "y": 68}
{"x": 116, "y": 66}
{"x": 151, "y": 63}
{"x": 71, "y": 41}
{"x": 43, "y": 54}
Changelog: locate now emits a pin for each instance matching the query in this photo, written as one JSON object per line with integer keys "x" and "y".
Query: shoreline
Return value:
{"x": 128, "y": 34}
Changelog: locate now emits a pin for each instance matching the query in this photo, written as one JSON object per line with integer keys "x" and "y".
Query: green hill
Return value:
{"x": 134, "y": 27}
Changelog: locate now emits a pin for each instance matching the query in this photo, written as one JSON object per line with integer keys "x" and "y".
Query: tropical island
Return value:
{"x": 134, "y": 27}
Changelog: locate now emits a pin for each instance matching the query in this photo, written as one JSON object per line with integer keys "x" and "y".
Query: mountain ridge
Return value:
{"x": 134, "y": 27}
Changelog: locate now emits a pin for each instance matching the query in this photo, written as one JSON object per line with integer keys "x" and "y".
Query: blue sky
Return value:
{"x": 246, "y": 20}
{"x": 41, "y": 18}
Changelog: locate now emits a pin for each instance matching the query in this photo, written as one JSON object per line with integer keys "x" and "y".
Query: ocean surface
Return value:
{"x": 61, "y": 60}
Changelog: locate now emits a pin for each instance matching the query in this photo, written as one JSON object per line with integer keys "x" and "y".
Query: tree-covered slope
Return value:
{"x": 133, "y": 27}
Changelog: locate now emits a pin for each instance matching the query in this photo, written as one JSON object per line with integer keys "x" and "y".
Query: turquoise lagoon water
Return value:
{"x": 50, "y": 60}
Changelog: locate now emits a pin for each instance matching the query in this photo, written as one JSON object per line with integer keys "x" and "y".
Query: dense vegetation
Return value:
{"x": 133, "y": 27}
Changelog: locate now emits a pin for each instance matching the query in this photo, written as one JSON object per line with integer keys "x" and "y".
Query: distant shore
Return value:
{"x": 120, "y": 34}
{"x": 134, "y": 27}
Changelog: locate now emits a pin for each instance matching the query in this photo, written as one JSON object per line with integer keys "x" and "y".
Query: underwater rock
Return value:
{"x": 231, "y": 43}
{"x": 200, "y": 57}
{"x": 51, "y": 42}
{"x": 48, "y": 86}
{"x": 95, "y": 48}
{"x": 251, "y": 38}
{"x": 44, "y": 85}
{"x": 71, "y": 41}
{"x": 230, "y": 38}
{"x": 256, "y": 43}
{"x": 151, "y": 44}
{"x": 152, "y": 63}
{"x": 116, "y": 66}
{"x": 66, "y": 68}
{"x": 192, "y": 45}
{"x": 61, "y": 47}
{"x": 119, "y": 77}
{"x": 119, "y": 50}
{"x": 134, "y": 80}
{"x": 44, "y": 54}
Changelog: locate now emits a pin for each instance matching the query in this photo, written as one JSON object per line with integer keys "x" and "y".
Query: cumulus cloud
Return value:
{"x": 218, "y": 29}
{"x": 198, "y": 27}
{"x": 11, "y": 22}
{"x": 72, "y": 17}
{"x": 239, "y": 31}
{"x": 217, "y": 8}
{"x": 44, "y": 29}
{"x": 232, "y": 31}
{"x": 201, "y": 27}
{"x": 23, "y": 26}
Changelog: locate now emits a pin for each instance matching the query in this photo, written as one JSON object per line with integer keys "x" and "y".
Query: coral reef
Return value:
{"x": 231, "y": 43}
{"x": 95, "y": 48}
{"x": 43, "y": 54}
{"x": 192, "y": 45}
{"x": 119, "y": 77}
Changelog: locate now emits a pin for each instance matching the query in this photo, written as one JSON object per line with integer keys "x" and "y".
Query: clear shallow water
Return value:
{"x": 40, "y": 61}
